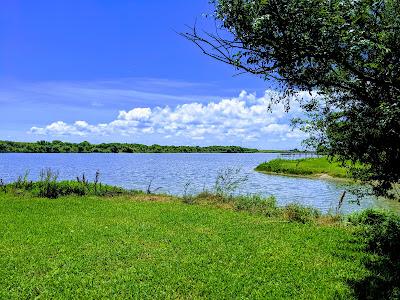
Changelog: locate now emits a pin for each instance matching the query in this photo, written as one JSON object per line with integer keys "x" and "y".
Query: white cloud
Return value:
{"x": 135, "y": 114}
{"x": 245, "y": 117}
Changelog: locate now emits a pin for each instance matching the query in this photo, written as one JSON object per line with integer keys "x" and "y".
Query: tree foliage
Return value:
{"x": 86, "y": 147}
{"x": 346, "y": 51}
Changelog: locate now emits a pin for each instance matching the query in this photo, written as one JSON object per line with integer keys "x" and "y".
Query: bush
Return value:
{"x": 381, "y": 230}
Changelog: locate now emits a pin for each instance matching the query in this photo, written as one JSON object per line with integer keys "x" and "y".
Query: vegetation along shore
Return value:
{"x": 89, "y": 240}
{"x": 86, "y": 147}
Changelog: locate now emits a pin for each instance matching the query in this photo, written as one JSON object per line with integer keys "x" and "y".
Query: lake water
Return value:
{"x": 172, "y": 171}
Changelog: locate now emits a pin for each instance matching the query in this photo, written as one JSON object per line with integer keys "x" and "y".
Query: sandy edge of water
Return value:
{"x": 319, "y": 176}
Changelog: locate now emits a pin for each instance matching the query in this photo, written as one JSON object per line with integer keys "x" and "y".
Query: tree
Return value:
{"x": 346, "y": 52}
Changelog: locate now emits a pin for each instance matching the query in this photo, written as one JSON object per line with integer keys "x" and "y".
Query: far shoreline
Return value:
{"x": 269, "y": 152}
{"x": 86, "y": 147}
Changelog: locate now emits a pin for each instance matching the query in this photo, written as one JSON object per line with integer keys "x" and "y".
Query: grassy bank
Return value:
{"x": 311, "y": 167}
{"x": 147, "y": 246}
{"x": 75, "y": 239}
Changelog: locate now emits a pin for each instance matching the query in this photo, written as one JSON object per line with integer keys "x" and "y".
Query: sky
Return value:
{"x": 118, "y": 71}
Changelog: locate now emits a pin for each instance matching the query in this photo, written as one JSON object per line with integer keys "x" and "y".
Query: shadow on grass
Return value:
{"x": 380, "y": 232}
{"x": 383, "y": 283}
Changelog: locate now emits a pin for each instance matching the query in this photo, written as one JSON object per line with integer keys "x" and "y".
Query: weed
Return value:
{"x": 23, "y": 182}
{"x": 228, "y": 181}
{"x": 149, "y": 189}
{"x": 48, "y": 183}
{"x": 82, "y": 179}
{"x": 340, "y": 203}
{"x": 188, "y": 197}
{"x": 96, "y": 180}
{"x": 2, "y": 185}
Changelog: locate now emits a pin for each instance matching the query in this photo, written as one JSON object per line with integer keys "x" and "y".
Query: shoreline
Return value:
{"x": 319, "y": 176}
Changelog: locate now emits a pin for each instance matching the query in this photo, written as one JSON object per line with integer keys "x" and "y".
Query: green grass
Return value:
{"x": 137, "y": 246}
{"x": 305, "y": 167}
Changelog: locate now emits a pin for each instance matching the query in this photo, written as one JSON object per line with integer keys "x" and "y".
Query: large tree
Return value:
{"x": 346, "y": 51}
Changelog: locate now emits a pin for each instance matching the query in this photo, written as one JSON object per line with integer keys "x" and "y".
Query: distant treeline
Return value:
{"x": 86, "y": 147}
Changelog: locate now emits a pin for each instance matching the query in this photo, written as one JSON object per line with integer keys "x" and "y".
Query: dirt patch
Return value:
{"x": 322, "y": 176}
{"x": 325, "y": 176}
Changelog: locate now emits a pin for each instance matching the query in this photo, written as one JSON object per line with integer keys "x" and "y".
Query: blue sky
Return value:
{"x": 117, "y": 71}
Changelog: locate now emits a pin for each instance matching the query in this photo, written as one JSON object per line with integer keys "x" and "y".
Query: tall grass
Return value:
{"x": 48, "y": 186}
{"x": 256, "y": 204}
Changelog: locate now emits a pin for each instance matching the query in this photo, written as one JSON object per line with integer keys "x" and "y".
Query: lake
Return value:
{"x": 172, "y": 171}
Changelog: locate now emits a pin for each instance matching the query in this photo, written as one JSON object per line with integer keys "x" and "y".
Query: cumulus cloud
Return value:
{"x": 135, "y": 114}
{"x": 245, "y": 117}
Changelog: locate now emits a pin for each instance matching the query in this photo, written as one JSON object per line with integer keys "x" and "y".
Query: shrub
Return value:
{"x": 381, "y": 230}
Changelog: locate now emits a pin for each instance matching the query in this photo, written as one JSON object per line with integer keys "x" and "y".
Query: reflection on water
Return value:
{"x": 172, "y": 171}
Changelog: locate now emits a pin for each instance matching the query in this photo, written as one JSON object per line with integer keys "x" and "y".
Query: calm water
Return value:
{"x": 172, "y": 171}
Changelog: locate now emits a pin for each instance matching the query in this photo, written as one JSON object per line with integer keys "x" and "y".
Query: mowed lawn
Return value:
{"x": 89, "y": 247}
